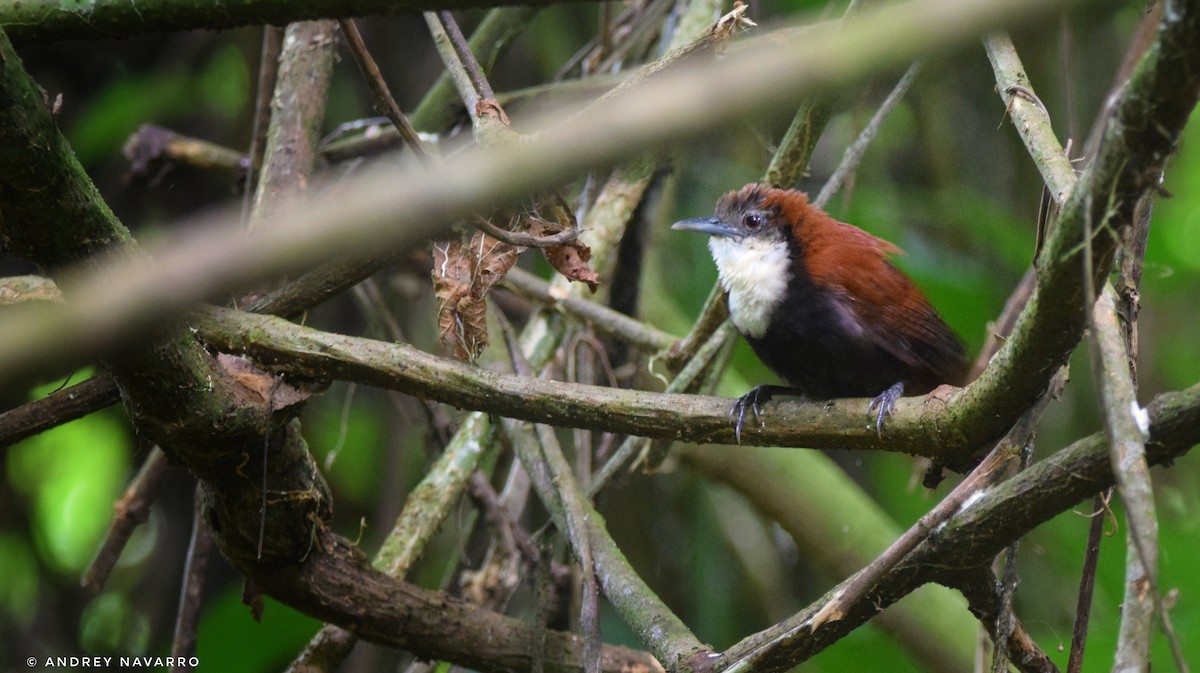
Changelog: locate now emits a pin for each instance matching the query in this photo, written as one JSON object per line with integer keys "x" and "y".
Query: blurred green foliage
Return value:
{"x": 229, "y": 639}
{"x": 19, "y": 567}
{"x": 219, "y": 88}
{"x": 69, "y": 478}
{"x": 1169, "y": 282}
{"x": 349, "y": 443}
{"x": 111, "y": 624}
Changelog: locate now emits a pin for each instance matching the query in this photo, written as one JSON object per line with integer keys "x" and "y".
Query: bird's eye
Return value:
{"x": 753, "y": 220}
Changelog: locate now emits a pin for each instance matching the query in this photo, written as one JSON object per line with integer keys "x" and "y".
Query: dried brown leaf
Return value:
{"x": 570, "y": 259}
{"x": 452, "y": 286}
{"x": 493, "y": 260}
{"x": 462, "y": 277}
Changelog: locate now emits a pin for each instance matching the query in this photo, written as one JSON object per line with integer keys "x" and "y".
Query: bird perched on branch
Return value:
{"x": 822, "y": 305}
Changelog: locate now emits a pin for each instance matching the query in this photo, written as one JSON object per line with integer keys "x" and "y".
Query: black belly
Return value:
{"x": 811, "y": 350}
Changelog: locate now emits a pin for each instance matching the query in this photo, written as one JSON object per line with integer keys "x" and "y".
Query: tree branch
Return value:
{"x": 297, "y": 112}
{"x": 970, "y": 540}
{"x": 1137, "y": 139}
{"x": 177, "y": 394}
{"x": 187, "y": 617}
{"x": 393, "y": 210}
{"x": 1128, "y": 454}
{"x": 43, "y": 20}
{"x": 1030, "y": 117}
{"x": 335, "y": 582}
{"x": 308, "y": 352}
{"x": 61, "y": 406}
{"x": 597, "y": 316}
{"x": 798, "y": 490}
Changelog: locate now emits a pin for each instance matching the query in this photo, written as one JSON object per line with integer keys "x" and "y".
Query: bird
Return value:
{"x": 822, "y": 305}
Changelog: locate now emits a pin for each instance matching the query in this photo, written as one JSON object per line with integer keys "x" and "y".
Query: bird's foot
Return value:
{"x": 884, "y": 402}
{"x": 753, "y": 401}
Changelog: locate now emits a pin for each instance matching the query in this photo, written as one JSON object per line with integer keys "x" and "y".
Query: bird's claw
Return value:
{"x": 753, "y": 401}
{"x": 885, "y": 401}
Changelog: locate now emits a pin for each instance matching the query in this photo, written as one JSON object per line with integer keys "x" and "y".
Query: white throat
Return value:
{"x": 755, "y": 272}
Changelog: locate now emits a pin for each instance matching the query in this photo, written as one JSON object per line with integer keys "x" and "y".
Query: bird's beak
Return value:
{"x": 709, "y": 225}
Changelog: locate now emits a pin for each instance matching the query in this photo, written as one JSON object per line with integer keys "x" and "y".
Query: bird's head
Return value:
{"x": 752, "y": 239}
{"x": 754, "y": 214}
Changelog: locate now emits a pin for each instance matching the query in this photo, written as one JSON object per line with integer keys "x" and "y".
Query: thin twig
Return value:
{"x": 384, "y": 102}
{"x": 498, "y": 516}
{"x": 714, "y": 314}
{"x": 543, "y": 590}
{"x": 684, "y": 382}
{"x": 467, "y": 92}
{"x": 601, "y": 318}
{"x": 268, "y": 69}
{"x": 790, "y": 161}
{"x": 466, "y": 56}
{"x": 856, "y": 150}
{"x": 640, "y": 446}
{"x": 640, "y": 31}
{"x": 152, "y": 147}
{"x": 575, "y": 65}
{"x": 266, "y": 449}
{"x": 703, "y": 45}
{"x": 371, "y": 300}
{"x": 986, "y": 599}
{"x": 1087, "y": 584}
{"x": 584, "y": 355}
{"x": 491, "y": 36}
{"x": 132, "y": 510}
{"x": 1032, "y": 121}
{"x": 187, "y": 619}
{"x": 999, "y": 329}
{"x": 1005, "y": 619}
{"x": 524, "y": 240}
{"x": 321, "y": 284}
{"x": 495, "y": 579}
{"x": 971, "y": 487}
